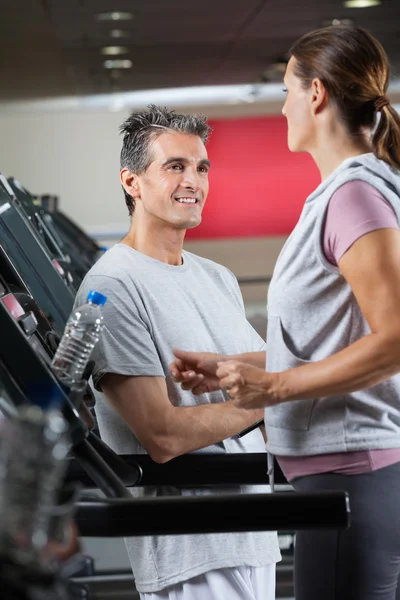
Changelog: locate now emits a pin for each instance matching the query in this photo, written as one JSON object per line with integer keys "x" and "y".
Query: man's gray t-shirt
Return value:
{"x": 153, "y": 307}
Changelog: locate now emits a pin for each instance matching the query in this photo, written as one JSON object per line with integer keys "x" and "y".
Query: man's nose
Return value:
{"x": 191, "y": 179}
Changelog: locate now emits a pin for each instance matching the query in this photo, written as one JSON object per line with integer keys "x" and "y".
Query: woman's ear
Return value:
{"x": 318, "y": 95}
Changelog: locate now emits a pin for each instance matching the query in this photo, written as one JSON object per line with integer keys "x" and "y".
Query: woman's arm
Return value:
{"x": 371, "y": 267}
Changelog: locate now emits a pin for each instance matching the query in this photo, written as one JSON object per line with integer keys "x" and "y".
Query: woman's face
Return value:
{"x": 298, "y": 111}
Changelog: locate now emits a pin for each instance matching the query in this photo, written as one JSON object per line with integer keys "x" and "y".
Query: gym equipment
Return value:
{"x": 69, "y": 231}
{"x": 28, "y": 263}
{"x": 26, "y": 345}
{"x": 35, "y": 302}
{"x": 73, "y": 262}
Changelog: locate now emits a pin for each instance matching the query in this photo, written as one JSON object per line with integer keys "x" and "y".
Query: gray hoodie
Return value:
{"x": 312, "y": 314}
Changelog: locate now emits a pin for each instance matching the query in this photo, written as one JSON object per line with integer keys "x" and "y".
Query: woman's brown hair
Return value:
{"x": 354, "y": 68}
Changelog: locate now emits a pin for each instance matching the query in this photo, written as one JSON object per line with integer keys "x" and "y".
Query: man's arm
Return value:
{"x": 166, "y": 431}
{"x": 257, "y": 359}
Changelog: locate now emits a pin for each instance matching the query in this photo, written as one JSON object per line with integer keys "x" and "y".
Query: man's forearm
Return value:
{"x": 165, "y": 430}
{"x": 194, "y": 427}
{"x": 257, "y": 359}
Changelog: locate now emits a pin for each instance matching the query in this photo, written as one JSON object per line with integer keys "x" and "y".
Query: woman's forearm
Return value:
{"x": 363, "y": 364}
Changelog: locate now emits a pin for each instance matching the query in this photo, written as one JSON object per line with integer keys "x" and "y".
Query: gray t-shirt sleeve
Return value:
{"x": 126, "y": 346}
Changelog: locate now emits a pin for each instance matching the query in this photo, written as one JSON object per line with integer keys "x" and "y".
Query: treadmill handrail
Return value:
{"x": 186, "y": 471}
{"x": 221, "y": 513}
{"x": 99, "y": 471}
{"x": 130, "y": 473}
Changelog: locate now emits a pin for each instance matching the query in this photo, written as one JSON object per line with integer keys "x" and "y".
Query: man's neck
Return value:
{"x": 163, "y": 246}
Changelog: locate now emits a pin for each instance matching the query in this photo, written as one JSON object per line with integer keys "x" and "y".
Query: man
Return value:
{"x": 161, "y": 297}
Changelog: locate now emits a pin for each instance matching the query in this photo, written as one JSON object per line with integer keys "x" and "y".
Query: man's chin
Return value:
{"x": 194, "y": 223}
{"x": 190, "y": 223}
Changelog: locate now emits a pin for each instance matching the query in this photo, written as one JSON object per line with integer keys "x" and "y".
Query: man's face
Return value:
{"x": 174, "y": 188}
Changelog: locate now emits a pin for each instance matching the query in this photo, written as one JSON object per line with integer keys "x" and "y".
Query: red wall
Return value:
{"x": 257, "y": 187}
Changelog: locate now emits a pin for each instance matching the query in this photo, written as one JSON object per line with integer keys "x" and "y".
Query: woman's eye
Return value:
{"x": 284, "y": 90}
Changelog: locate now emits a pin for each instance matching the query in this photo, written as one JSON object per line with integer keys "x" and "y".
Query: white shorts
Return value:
{"x": 233, "y": 583}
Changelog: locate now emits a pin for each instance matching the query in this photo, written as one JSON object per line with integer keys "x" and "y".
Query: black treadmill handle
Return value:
{"x": 129, "y": 473}
{"x": 99, "y": 471}
{"x": 193, "y": 470}
{"x": 217, "y": 513}
{"x": 251, "y": 428}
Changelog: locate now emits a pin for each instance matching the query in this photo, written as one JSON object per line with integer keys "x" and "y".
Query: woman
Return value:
{"x": 331, "y": 386}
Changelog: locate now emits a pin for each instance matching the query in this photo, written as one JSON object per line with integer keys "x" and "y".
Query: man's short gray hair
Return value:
{"x": 141, "y": 128}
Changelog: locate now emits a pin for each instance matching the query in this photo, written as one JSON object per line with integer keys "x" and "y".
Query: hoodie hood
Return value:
{"x": 365, "y": 167}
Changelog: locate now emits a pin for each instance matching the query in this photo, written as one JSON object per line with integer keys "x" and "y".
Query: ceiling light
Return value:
{"x": 361, "y": 3}
{"x": 113, "y": 50}
{"x": 118, "y": 64}
{"x": 118, "y": 33}
{"x": 329, "y": 22}
{"x": 114, "y": 16}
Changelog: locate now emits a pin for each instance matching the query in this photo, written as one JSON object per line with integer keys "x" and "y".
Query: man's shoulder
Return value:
{"x": 113, "y": 263}
{"x": 111, "y": 273}
{"x": 209, "y": 265}
{"x": 119, "y": 265}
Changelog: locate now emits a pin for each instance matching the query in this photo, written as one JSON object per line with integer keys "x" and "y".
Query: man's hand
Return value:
{"x": 196, "y": 371}
{"x": 248, "y": 386}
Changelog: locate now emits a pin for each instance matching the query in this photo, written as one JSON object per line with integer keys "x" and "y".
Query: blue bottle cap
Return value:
{"x": 96, "y": 298}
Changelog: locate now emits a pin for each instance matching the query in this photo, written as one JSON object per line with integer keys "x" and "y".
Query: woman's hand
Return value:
{"x": 196, "y": 371}
{"x": 249, "y": 387}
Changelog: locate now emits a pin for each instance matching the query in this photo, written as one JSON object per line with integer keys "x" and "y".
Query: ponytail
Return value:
{"x": 386, "y": 138}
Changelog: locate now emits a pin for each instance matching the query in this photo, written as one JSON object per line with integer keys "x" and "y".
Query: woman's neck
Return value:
{"x": 334, "y": 146}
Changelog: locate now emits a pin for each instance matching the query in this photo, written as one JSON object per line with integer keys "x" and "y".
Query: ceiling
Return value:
{"x": 51, "y": 48}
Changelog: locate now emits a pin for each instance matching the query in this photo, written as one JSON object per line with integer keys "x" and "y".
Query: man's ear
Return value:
{"x": 130, "y": 182}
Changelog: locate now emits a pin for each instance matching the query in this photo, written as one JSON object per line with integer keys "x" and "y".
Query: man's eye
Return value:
{"x": 177, "y": 167}
{"x": 203, "y": 169}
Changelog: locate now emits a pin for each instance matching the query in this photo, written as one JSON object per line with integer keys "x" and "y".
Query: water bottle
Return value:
{"x": 33, "y": 448}
{"x": 81, "y": 334}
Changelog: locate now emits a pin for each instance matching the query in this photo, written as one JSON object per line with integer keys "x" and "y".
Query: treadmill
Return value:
{"x": 68, "y": 229}
{"x": 34, "y": 305}
{"x": 26, "y": 358}
{"x": 28, "y": 262}
{"x": 25, "y": 371}
{"x": 67, "y": 255}
{"x": 35, "y": 302}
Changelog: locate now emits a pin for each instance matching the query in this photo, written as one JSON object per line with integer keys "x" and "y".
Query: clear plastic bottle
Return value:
{"x": 80, "y": 336}
{"x": 33, "y": 449}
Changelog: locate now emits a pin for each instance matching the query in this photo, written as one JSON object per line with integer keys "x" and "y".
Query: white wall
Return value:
{"x": 73, "y": 155}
